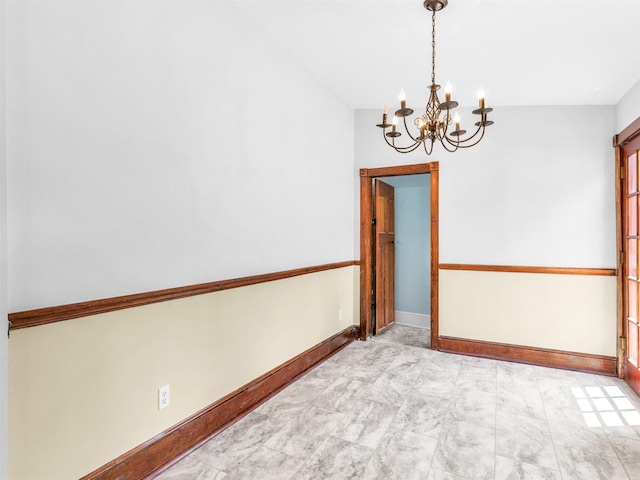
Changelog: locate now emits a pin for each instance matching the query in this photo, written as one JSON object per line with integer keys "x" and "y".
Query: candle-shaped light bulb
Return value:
{"x": 447, "y": 91}
{"x": 384, "y": 108}
{"x": 394, "y": 123}
{"x": 481, "y": 97}
{"x": 456, "y": 120}
{"x": 403, "y": 99}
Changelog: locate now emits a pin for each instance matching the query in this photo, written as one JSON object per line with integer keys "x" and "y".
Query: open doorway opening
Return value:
{"x": 375, "y": 276}
{"x": 412, "y": 252}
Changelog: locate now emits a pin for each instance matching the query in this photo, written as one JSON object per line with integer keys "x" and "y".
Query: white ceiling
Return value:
{"x": 523, "y": 52}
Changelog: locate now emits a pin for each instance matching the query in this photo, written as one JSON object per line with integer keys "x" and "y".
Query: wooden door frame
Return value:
{"x": 619, "y": 141}
{"x": 366, "y": 241}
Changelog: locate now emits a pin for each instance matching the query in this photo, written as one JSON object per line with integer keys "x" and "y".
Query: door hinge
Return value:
{"x": 373, "y": 222}
{"x": 622, "y": 344}
{"x": 621, "y": 258}
{"x": 622, "y": 172}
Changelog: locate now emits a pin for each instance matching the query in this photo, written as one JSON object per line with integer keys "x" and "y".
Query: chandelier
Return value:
{"x": 436, "y": 123}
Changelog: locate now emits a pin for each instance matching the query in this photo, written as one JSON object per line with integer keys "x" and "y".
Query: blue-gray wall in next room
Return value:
{"x": 413, "y": 252}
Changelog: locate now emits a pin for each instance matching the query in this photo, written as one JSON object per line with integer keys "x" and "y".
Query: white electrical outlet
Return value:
{"x": 340, "y": 314}
{"x": 163, "y": 397}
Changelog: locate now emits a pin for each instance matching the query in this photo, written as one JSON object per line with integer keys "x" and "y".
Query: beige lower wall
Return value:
{"x": 576, "y": 313}
{"x": 82, "y": 392}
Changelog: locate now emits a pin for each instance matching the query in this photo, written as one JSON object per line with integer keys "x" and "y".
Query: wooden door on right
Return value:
{"x": 631, "y": 278}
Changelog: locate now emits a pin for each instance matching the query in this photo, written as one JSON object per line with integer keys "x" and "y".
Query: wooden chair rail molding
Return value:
{"x": 43, "y": 316}
{"x": 607, "y": 272}
{"x": 181, "y": 439}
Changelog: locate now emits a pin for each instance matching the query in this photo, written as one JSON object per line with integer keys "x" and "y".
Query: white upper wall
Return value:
{"x": 537, "y": 191}
{"x": 3, "y": 254}
{"x": 628, "y": 109}
{"x": 150, "y": 147}
{"x": 162, "y": 144}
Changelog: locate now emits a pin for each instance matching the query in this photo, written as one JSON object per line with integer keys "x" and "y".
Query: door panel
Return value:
{"x": 632, "y": 253}
{"x": 385, "y": 258}
{"x": 631, "y": 282}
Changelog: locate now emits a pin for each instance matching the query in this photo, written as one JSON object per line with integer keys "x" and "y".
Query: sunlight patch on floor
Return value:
{"x": 605, "y": 406}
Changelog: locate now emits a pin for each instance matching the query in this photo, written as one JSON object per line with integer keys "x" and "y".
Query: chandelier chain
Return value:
{"x": 433, "y": 47}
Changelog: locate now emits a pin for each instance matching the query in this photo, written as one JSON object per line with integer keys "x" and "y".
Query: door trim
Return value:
{"x": 366, "y": 241}
{"x": 628, "y": 134}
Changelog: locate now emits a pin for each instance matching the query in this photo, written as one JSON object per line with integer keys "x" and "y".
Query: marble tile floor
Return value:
{"x": 405, "y": 335}
{"x": 386, "y": 410}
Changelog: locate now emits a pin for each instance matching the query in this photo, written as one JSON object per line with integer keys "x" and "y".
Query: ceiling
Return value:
{"x": 522, "y": 52}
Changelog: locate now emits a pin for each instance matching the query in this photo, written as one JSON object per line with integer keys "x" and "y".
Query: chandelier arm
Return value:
{"x": 407, "y": 149}
{"x": 406, "y": 129}
{"x": 477, "y": 141}
{"x": 459, "y": 141}
{"x": 392, "y": 145}
{"x": 451, "y": 142}
{"x": 444, "y": 145}
{"x": 462, "y": 143}
{"x": 428, "y": 150}
{"x": 446, "y": 124}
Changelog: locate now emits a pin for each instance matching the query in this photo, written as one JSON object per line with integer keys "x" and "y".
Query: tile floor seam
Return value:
{"x": 434, "y": 452}
{"x": 294, "y": 458}
{"x": 619, "y": 458}
{"x": 553, "y": 443}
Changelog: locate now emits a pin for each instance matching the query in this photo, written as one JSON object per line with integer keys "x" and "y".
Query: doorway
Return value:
{"x": 412, "y": 252}
{"x": 368, "y": 285}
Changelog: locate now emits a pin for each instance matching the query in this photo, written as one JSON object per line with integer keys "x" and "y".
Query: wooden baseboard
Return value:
{"x": 173, "y": 443}
{"x": 582, "y": 362}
